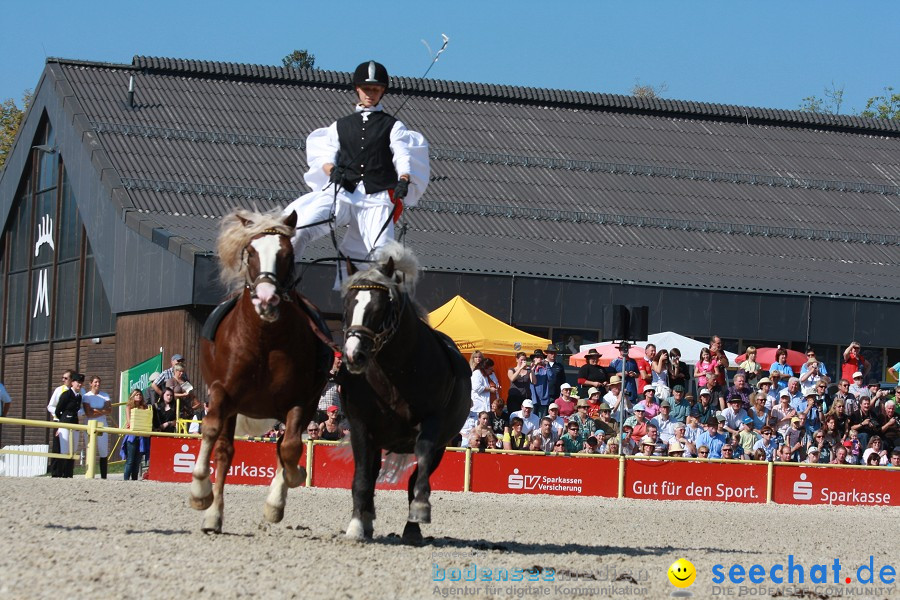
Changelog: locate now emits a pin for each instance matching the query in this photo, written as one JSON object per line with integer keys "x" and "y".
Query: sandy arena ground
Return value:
{"x": 115, "y": 539}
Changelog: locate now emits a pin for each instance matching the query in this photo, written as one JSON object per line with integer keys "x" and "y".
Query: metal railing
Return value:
{"x": 93, "y": 429}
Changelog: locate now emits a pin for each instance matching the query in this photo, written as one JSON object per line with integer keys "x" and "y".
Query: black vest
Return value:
{"x": 365, "y": 151}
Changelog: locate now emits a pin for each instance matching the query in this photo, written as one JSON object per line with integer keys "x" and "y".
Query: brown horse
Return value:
{"x": 265, "y": 360}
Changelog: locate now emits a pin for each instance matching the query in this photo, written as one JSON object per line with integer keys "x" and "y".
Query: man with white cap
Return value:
{"x": 857, "y": 387}
{"x": 704, "y": 409}
{"x": 782, "y": 414}
{"x": 362, "y": 169}
{"x": 558, "y": 422}
{"x": 812, "y": 454}
{"x": 530, "y": 421}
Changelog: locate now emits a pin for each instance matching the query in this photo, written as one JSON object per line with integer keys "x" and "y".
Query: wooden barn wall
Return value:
{"x": 65, "y": 357}
{"x": 37, "y": 392}
{"x": 31, "y": 373}
{"x": 193, "y": 325}
{"x": 140, "y": 336}
{"x": 14, "y": 380}
{"x": 100, "y": 360}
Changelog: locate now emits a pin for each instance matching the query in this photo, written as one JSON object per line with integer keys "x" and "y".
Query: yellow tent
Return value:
{"x": 473, "y": 329}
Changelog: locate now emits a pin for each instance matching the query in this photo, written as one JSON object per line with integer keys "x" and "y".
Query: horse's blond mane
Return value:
{"x": 237, "y": 229}
{"x": 406, "y": 271}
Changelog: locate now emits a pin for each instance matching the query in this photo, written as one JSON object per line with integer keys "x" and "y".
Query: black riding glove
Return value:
{"x": 401, "y": 189}
{"x": 337, "y": 175}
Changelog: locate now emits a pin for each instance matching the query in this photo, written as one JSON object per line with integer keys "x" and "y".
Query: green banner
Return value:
{"x": 139, "y": 376}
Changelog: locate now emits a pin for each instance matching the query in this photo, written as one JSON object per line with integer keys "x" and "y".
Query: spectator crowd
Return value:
{"x": 637, "y": 407}
{"x": 641, "y": 407}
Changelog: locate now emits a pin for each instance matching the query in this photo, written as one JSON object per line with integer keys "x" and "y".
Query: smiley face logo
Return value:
{"x": 682, "y": 573}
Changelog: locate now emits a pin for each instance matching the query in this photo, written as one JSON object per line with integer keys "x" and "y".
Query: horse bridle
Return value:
{"x": 389, "y": 328}
{"x": 267, "y": 276}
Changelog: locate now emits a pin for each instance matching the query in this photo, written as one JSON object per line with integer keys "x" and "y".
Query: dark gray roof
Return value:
{"x": 527, "y": 181}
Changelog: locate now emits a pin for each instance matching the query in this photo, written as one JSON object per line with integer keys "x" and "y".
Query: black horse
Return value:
{"x": 406, "y": 388}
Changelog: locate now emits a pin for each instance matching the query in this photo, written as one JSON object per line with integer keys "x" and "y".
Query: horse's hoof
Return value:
{"x": 358, "y": 531}
{"x": 201, "y": 503}
{"x": 211, "y": 525}
{"x": 273, "y": 514}
{"x": 412, "y": 534}
{"x": 419, "y": 512}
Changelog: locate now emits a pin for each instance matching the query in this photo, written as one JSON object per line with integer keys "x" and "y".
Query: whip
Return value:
{"x": 428, "y": 70}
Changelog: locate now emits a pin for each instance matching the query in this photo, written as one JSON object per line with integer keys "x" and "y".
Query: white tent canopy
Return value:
{"x": 690, "y": 348}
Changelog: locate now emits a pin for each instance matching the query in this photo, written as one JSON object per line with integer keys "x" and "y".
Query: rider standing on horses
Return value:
{"x": 363, "y": 167}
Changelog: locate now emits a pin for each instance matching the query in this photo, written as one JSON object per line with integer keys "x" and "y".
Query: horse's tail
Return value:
{"x": 253, "y": 427}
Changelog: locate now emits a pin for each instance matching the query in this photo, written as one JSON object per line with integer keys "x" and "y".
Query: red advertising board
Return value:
{"x": 542, "y": 474}
{"x": 173, "y": 459}
{"x": 811, "y": 485}
{"x": 333, "y": 468}
{"x": 677, "y": 480}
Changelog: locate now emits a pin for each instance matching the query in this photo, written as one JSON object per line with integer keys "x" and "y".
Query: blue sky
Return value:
{"x": 760, "y": 53}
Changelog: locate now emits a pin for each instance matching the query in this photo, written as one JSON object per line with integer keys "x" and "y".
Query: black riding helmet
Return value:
{"x": 371, "y": 72}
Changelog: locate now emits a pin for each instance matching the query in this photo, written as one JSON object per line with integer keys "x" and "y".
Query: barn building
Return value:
{"x": 762, "y": 226}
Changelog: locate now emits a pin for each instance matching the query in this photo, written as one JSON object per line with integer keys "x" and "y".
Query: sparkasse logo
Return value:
{"x": 522, "y": 482}
{"x": 183, "y": 462}
{"x": 803, "y": 489}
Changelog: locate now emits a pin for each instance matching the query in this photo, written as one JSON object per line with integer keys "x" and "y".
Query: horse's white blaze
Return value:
{"x": 267, "y": 248}
{"x": 363, "y": 298}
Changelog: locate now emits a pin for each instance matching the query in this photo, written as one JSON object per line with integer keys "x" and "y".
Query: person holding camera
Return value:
{"x": 628, "y": 369}
{"x": 519, "y": 377}
{"x": 890, "y": 424}
{"x": 864, "y": 422}
{"x": 854, "y": 361}
{"x": 540, "y": 383}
